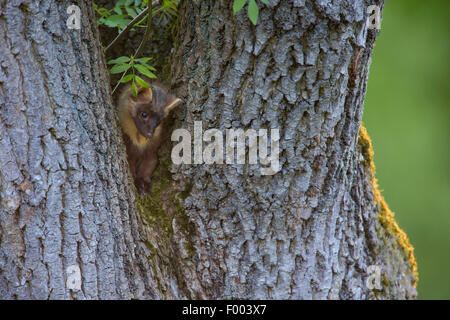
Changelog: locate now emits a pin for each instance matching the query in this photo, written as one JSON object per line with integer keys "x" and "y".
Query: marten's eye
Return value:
{"x": 144, "y": 115}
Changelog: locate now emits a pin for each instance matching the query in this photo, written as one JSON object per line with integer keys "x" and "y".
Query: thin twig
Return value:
{"x": 130, "y": 25}
{"x": 147, "y": 34}
{"x": 148, "y": 30}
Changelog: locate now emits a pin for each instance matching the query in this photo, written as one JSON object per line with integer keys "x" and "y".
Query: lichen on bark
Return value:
{"x": 386, "y": 216}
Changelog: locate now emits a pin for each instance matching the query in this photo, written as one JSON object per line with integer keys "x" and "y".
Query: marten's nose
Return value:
{"x": 151, "y": 130}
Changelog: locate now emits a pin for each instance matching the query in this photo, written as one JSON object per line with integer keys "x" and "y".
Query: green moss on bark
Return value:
{"x": 386, "y": 216}
{"x": 165, "y": 204}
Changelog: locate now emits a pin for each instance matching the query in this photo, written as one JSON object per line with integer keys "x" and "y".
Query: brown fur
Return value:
{"x": 143, "y": 135}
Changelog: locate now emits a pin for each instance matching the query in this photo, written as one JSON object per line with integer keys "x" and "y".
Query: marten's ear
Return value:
{"x": 144, "y": 94}
{"x": 171, "y": 104}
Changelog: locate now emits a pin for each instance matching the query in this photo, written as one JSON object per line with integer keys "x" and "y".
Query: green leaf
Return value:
{"x": 143, "y": 60}
{"x": 117, "y": 10}
{"x": 127, "y": 78}
{"x": 238, "y": 5}
{"x": 253, "y": 11}
{"x": 134, "y": 89}
{"x": 149, "y": 67}
{"x": 142, "y": 82}
{"x": 169, "y": 5}
{"x": 117, "y": 20}
{"x": 103, "y": 12}
{"x": 119, "y": 68}
{"x": 145, "y": 71}
{"x": 265, "y": 1}
{"x": 122, "y": 59}
{"x": 131, "y": 12}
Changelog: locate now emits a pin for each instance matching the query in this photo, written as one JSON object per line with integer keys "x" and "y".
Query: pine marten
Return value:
{"x": 142, "y": 118}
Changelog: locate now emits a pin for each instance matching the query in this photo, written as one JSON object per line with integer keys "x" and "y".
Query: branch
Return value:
{"x": 131, "y": 24}
{"x": 144, "y": 39}
{"x": 148, "y": 30}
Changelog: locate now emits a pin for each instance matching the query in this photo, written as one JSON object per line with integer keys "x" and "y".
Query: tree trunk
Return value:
{"x": 312, "y": 230}
{"x": 67, "y": 207}
{"x": 319, "y": 227}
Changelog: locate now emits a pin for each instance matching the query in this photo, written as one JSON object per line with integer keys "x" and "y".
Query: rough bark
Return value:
{"x": 309, "y": 231}
{"x": 65, "y": 195}
{"x": 312, "y": 230}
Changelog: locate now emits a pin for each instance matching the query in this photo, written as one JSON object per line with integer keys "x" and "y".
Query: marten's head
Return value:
{"x": 142, "y": 114}
{"x": 144, "y": 111}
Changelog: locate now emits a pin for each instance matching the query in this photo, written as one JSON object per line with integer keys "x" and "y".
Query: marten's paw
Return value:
{"x": 143, "y": 187}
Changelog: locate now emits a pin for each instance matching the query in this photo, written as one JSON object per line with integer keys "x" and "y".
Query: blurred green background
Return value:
{"x": 407, "y": 115}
